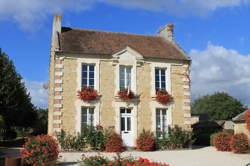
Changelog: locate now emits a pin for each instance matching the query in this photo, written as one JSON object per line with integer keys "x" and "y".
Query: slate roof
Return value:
{"x": 108, "y": 43}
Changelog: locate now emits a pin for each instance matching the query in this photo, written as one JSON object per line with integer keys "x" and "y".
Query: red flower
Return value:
{"x": 125, "y": 94}
{"x": 87, "y": 94}
{"x": 247, "y": 118}
{"x": 163, "y": 97}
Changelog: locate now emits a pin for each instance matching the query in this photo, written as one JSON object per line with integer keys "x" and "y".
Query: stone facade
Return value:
{"x": 67, "y": 103}
{"x": 240, "y": 127}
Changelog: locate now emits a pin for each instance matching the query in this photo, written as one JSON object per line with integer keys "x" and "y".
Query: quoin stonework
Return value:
{"x": 109, "y": 62}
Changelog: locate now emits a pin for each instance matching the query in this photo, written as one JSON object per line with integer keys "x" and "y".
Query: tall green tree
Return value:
{"x": 218, "y": 106}
{"x": 15, "y": 103}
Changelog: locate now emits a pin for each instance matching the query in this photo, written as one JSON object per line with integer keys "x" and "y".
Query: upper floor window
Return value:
{"x": 160, "y": 79}
{"x": 125, "y": 77}
{"x": 88, "y": 75}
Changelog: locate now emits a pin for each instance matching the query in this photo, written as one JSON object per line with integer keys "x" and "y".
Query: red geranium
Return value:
{"x": 87, "y": 93}
{"x": 239, "y": 143}
{"x": 163, "y": 97}
{"x": 125, "y": 94}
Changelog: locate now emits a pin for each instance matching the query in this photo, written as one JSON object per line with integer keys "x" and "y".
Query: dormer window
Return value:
{"x": 125, "y": 77}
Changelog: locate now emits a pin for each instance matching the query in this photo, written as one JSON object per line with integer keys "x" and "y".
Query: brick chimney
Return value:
{"x": 167, "y": 32}
{"x": 56, "y": 31}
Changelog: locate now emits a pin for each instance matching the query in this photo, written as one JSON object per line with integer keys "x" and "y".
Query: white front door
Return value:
{"x": 126, "y": 127}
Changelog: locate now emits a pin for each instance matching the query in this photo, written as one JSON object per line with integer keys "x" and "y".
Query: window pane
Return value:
{"x": 91, "y": 74}
{"x": 91, "y": 68}
{"x": 162, "y": 72}
{"x": 122, "y": 77}
{"x": 156, "y": 72}
{"x": 162, "y": 78}
{"x": 122, "y": 123}
{"x": 128, "y": 111}
{"x": 84, "y": 118}
{"x": 128, "y": 124}
{"x": 91, "y": 111}
{"x": 122, "y": 84}
{"x": 157, "y": 78}
{"x": 122, "y": 111}
{"x": 84, "y": 67}
{"x": 157, "y": 85}
{"x": 91, "y": 82}
{"x": 84, "y": 74}
{"x": 84, "y": 82}
{"x": 163, "y": 85}
{"x": 128, "y": 76}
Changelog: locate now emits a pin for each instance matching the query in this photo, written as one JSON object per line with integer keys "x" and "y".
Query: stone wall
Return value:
{"x": 241, "y": 128}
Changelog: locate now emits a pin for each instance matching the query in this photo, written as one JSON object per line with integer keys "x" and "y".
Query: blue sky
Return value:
{"x": 215, "y": 33}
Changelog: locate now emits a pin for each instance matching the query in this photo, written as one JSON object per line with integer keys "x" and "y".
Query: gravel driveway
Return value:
{"x": 206, "y": 156}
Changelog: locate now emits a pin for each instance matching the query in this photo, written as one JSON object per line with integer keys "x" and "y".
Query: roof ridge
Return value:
{"x": 122, "y": 33}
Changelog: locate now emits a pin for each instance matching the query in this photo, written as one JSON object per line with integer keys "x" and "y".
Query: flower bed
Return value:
{"x": 100, "y": 160}
{"x": 87, "y": 94}
{"x": 40, "y": 150}
{"x": 163, "y": 97}
{"x": 125, "y": 94}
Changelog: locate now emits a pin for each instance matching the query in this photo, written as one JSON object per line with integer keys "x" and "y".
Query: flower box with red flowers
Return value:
{"x": 126, "y": 94}
{"x": 87, "y": 94}
{"x": 163, "y": 97}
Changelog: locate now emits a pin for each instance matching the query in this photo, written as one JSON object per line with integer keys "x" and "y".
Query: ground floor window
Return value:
{"x": 161, "y": 120}
{"x": 87, "y": 117}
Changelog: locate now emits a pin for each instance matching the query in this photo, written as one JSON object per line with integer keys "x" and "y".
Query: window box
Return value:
{"x": 126, "y": 94}
{"x": 87, "y": 94}
{"x": 163, "y": 97}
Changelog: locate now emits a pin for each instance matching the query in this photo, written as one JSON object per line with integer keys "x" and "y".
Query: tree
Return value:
{"x": 218, "y": 106}
{"x": 41, "y": 125}
{"x": 15, "y": 103}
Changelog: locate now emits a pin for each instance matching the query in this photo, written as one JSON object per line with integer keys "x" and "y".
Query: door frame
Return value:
{"x": 134, "y": 127}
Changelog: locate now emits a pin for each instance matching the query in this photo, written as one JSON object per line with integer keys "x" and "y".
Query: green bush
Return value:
{"x": 175, "y": 138}
{"x": 212, "y": 136}
{"x": 94, "y": 160}
{"x": 91, "y": 138}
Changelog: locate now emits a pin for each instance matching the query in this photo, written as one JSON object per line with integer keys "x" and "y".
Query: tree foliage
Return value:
{"x": 218, "y": 106}
{"x": 41, "y": 125}
{"x": 15, "y": 103}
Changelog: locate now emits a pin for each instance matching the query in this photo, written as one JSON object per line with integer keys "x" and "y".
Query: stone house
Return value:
{"x": 240, "y": 125}
{"x": 109, "y": 61}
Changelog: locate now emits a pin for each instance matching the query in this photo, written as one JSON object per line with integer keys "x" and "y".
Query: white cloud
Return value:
{"x": 30, "y": 14}
{"x": 39, "y": 95}
{"x": 219, "y": 69}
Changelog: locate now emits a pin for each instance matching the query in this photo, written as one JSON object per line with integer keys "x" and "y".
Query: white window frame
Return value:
{"x": 167, "y": 67}
{"x": 88, "y": 71}
{"x": 163, "y": 125}
{"x": 88, "y": 116}
{"x": 125, "y": 76}
{"x": 160, "y": 74}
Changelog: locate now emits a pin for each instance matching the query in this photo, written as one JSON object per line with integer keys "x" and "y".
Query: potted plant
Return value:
{"x": 126, "y": 94}
{"x": 87, "y": 94}
{"x": 163, "y": 97}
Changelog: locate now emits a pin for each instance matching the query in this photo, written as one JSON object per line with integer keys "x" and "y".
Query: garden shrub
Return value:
{"x": 175, "y": 138}
{"x": 40, "y": 150}
{"x": 247, "y": 118}
{"x": 70, "y": 142}
{"x": 91, "y": 138}
{"x": 239, "y": 143}
{"x": 113, "y": 143}
{"x": 145, "y": 141}
{"x": 222, "y": 141}
{"x": 97, "y": 160}
{"x": 212, "y": 136}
